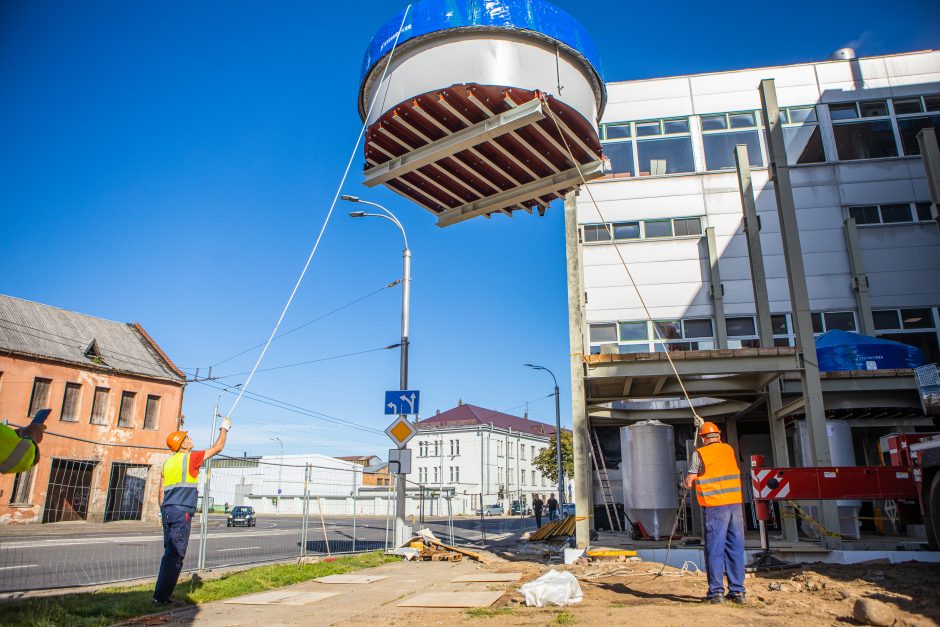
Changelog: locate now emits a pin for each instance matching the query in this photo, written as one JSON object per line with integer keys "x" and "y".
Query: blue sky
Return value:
{"x": 171, "y": 163}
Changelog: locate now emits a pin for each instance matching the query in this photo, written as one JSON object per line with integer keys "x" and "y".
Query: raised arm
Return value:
{"x": 216, "y": 448}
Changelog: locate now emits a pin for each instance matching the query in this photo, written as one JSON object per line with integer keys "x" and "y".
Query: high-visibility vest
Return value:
{"x": 17, "y": 454}
{"x": 179, "y": 486}
{"x": 720, "y": 484}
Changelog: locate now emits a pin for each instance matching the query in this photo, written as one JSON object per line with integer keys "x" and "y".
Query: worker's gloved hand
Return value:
{"x": 226, "y": 424}
{"x": 698, "y": 421}
{"x": 34, "y": 431}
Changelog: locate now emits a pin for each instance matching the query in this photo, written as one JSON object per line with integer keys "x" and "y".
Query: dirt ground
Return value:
{"x": 632, "y": 593}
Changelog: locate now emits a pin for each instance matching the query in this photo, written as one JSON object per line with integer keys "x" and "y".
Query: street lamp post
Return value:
{"x": 280, "y": 474}
{"x": 561, "y": 471}
{"x": 401, "y": 483}
{"x": 204, "y": 519}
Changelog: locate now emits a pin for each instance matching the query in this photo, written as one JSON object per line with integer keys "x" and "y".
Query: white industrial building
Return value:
{"x": 470, "y": 451}
{"x": 670, "y": 209}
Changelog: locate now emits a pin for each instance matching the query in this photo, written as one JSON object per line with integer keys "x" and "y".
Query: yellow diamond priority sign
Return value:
{"x": 401, "y": 431}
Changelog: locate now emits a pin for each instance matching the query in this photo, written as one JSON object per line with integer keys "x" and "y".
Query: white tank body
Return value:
{"x": 649, "y": 476}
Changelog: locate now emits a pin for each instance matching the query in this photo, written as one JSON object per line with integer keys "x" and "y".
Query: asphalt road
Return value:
{"x": 72, "y": 554}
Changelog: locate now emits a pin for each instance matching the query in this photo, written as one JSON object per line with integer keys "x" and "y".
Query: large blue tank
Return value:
{"x": 841, "y": 351}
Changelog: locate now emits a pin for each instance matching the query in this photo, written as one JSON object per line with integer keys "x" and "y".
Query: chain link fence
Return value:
{"x": 104, "y": 505}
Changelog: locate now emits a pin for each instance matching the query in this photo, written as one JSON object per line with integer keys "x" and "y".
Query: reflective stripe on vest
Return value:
{"x": 16, "y": 456}
{"x": 720, "y": 484}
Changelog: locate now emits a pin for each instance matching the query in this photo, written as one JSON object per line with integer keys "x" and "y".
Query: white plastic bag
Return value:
{"x": 552, "y": 588}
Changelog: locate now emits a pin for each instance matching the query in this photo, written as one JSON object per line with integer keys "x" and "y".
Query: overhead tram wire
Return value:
{"x": 696, "y": 419}
{"x": 524, "y": 403}
{"x": 300, "y": 363}
{"x": 297, "y": 409}
{"x": 316, "y": 244}
{"x": 306, "y": 324}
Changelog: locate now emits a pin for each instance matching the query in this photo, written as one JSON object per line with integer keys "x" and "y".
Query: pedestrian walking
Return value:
{"x": 552, "y": 507}
{"x": 717, "y": 478}
{"x": 537, "y": 505}
{"x": 180, "y": 477}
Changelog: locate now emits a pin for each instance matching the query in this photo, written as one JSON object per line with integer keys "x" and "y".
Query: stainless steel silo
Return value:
{"x": 649, "y": 476}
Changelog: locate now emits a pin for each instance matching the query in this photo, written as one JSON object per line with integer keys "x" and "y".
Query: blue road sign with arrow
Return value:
{"x": 401, "y": 402}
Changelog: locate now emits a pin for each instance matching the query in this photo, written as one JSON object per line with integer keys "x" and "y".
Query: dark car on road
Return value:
{"x": 241, "y": 515}
{"x": 567, "y": 509}
{"x": 515, "y": 508}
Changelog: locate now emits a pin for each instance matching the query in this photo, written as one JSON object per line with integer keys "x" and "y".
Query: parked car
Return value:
{"x": 241, "y": 515}
{"x": 492, "y": 510}
{"x": 567, "y": 509}
{"x": 515, "y": 508}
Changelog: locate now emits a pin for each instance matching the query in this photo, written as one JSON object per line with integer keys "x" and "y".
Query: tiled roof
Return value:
{"x": 37, "y": 330}
{"x": 471, "y": 415}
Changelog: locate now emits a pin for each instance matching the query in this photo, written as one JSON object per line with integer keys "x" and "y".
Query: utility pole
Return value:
{"x": 560, "y": 469}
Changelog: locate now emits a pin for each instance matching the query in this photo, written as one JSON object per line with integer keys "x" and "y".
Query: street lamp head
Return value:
{"x": 349, "y": 198}
{"x": 534, "y": 366}
{"x": 357, "y": 214}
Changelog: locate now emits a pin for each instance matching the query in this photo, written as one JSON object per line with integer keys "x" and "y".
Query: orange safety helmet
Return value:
{"x": 709, "y": 427}
{"x": 175, "y": 440}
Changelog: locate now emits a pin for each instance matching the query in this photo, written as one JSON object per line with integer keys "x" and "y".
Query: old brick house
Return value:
{"x": 114, "y": 396}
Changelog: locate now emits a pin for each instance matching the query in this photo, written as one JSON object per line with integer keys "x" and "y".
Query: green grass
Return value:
{"x": 564, "y": 618}
{"x": 488, "y": 612}
{"x": 111, "y": 605}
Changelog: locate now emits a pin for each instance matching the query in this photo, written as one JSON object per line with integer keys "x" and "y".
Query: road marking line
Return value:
{"x": 247, "y": 548}
{"x": 20, "y": 566}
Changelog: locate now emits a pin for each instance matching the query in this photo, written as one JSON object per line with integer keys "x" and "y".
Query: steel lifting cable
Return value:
{"x": 696, "y": 419}
{"x": 326, "y": 221}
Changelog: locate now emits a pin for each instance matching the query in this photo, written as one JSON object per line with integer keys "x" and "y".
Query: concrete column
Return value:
{"x": 579, "y": 418}
{"x": 778, "y": 433}
{"x": 718, "y": 291}
{"x": 799, "y": 297}
{"x": 859, "y": 278}
{"x": 930, "y": 154}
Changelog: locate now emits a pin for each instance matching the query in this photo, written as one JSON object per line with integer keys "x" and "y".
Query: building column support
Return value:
{"x": 579, "y": 419}
{"x": 717, "y": 289}
{"x": 930, "y": 154}
{"x": 799, "y": 297}
{"x": 755, "y": 254}
{"x": 859, "y": 278}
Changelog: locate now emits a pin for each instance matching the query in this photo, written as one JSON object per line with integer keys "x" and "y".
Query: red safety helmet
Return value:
{"x": 175, "y": 440}
{"x": 709, "y": 427}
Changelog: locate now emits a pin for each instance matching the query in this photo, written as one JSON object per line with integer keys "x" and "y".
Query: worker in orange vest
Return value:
{"x": 714, "y": 471}
{"x": 180, "y": 477}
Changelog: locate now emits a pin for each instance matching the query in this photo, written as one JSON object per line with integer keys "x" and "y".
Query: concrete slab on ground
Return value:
{"x": 281, "y": 597}
{"x": 487, "y": 578}
{"x": 452, "y": 599}
{"x": 351, "y": 579}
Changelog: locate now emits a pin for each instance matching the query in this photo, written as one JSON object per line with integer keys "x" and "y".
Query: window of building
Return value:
{"x": 509, "y": 449}
{"x": 722, "y": 132}
{"x": 499, "y": 448}
{"x": 533, "y": 478}
{"x": 639, "y": 336}
{"x": 510, "y": 476}
{"x": 643, "y": 230}
{"x": 522, "y": 477}
{"x": 70, "y": 402}
{"x": 126, "y": 412}
{"x": 618, "y": 159}
{"x": 522, "y": 451}
{"x": 152, "y": 412}
{"x": 916, "y": 326}
{"x": 39, "y": 398}
{"x": 435, "y": 475}
{"x": 437, "y": 448}
{"x": 99, "y": 407}
{"x": 894, "y": 213}
{"x": 801, "y": 135}
{"x": 863, "y": 130}
{"x": 742, "y": 331}
{"x": 833, "y": 320}
{"x": 911, "y": 119}
{"x": 664, "y": 147}
{"x": 22, "y": 484}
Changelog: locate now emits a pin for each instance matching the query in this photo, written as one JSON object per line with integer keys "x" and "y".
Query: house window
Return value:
{"x": 522, "y": 478}
{"x": 437, "y": 448}
{"x": 642, "y": 230}
{"x": 639, "y": 336}
{"x": 833, "y": 320}
{"x": 722, "y": 132}
{"x": 618, "y": 155}
{"x": 510, "y": 476}
{"x": 911, "y": 119}
{"x": 895, "y": 213}
{"x": 39, "y": 399}
{"x": 533, "y": 478}
{"x": 70, "y": 402}
{"x": 916, "y": 326}
{"x": 126, "y": 413}
{"x": 99, "y": 407}
{"x": 532, "y": 453}
{"x": 22, "y": 482}
{"x": 152, "y": 412}
{"x": 597, "y": 233}
{"x": 863, "y": 130}
{"x": 801, "y": 135}
{"x": 435, "y": 475}
{"x": 455, "y": 474}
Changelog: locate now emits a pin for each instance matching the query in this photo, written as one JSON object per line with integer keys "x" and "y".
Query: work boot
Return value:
{"x": 161, "y": 604}
{"x": 739, "y": 598}
{"x": 716, "y": 599}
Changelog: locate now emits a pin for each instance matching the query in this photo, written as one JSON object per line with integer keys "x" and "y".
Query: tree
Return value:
{"x": 546, "y": 463}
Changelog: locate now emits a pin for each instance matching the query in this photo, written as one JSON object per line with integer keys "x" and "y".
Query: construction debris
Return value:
{"x": 552, "y": 588}
{"x": 425, "y": 546}
{"x": 564, "y": 527}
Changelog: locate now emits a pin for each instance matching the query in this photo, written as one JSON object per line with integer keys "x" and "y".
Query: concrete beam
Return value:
{"x": 718, "y": 290}
{"x": 859, "y": 278}
{"x": 930, "y": 154}
{"x": 505, "y": 122}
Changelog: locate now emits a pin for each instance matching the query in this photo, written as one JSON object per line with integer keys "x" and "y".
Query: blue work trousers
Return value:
{"x": 177, "y": 522}
{"x": 724, "y": 548}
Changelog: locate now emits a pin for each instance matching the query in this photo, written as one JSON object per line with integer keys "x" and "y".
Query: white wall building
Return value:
{"x": 478, "y": 451}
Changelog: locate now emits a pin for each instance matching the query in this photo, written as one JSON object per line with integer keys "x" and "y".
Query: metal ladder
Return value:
{"x": 603, "y": 480}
